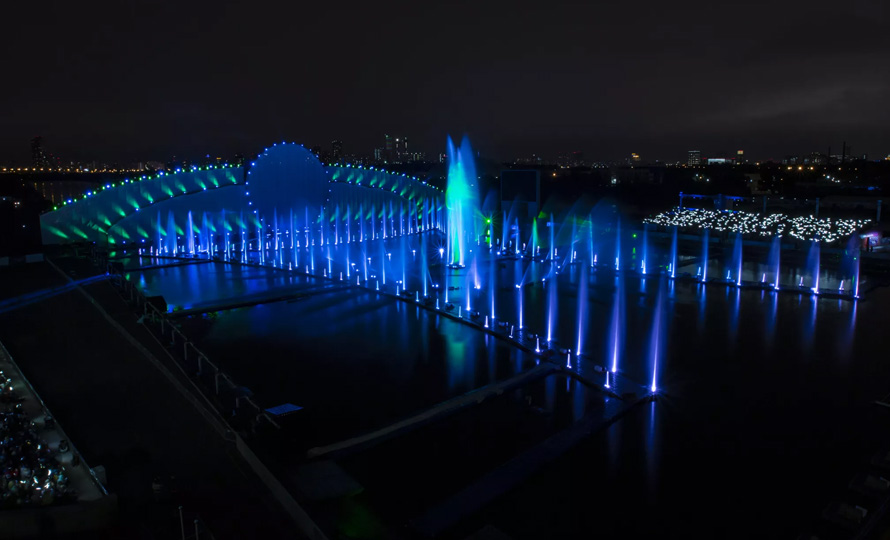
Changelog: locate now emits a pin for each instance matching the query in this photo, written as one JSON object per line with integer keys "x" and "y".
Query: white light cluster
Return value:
{"x": 803, "y": 228}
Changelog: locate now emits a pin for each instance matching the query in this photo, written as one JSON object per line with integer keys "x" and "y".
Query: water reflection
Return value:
{"x": 440, "y": 354}
{"x": 770, "y": 320}
{"x": 653, "y": 452}
{"x": 579, "y": 398}
{"x": 811, "y": 304}
{"x": 702, "y": 305}
{"x": 734, "y": 296}
{"x": 846, "y": 344}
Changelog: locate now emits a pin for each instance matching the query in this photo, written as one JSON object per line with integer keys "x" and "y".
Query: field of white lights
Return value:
{"x": 802, "y": 228}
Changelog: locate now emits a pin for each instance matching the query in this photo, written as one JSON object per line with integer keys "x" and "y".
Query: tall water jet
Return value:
{"x": 516, "y": 236}
{"x": 206, "y": 235}
{"x": 704, "y": 256}
{"x": 403, "y": 259}
{"x": 190, "y": 234}
{"x": 856, "y": 276}
{"x": 519, "y": 302}
{"x": 324, "y": 225}
{"x": 674, "y": 257}
{"x": 852, "y": 256}
{"x": 243, "y": 226}
{"x": 655, "y": 343}
{"x": 582, "y": 308}
{"x": 261, "y": 241}
{"x": 275, "y": 230}
{"x": 424, "y": 264}
{"x": 618, "y": 244}
{"x": 813, "y": 264}
{"x": 461, "y": 200}
{"x": 469, "y": 287}
{"x": 572, "y": 247}
{"x": 645, "y": 248}
{"x": 617, "y": 325}
{"x": 737, "y": 258}
{"x": 551, "y": 306}
{"x": 160, "y": 238}
{"x": 336, "y": 225}
{"x": 170, "y": 245}
{"x": 552, "y": 226}
{"x": 383, "y": 262}
{"x": 504, "y": 228}
{"x": 775, "y": 257}
{"x": 492, "y": 284}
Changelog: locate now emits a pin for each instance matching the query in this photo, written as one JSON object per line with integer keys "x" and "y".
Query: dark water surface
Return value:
{"x": 763, "y": 417}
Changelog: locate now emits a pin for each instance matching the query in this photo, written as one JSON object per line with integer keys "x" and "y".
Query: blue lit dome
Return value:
{"x": 287, "y": 177}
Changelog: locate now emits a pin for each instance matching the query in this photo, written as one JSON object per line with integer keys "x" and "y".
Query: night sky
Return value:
{"x": 153, "y": 79}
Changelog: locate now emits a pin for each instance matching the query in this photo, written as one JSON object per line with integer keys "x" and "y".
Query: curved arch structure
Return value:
{"x": 284, "y": 187}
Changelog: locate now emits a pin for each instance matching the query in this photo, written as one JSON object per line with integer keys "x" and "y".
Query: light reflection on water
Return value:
{"x": 359, "y": 361}
{"x": 194, "y": 285}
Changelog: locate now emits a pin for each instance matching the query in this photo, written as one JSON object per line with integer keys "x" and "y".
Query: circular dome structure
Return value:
{"x": 287, "y": 177}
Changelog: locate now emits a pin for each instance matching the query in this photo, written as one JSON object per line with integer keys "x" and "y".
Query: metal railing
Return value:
{"x": 230, "y": 399}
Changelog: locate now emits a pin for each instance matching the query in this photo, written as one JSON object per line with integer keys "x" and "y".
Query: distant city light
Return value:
{"x": 803, "y": 228}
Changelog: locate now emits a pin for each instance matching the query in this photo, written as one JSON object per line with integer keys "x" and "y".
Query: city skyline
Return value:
{"x": 148, "y": 82}
{"x": 394, "y": 150}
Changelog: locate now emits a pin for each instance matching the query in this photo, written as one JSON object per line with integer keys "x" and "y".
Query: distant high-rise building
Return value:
{"x": 38, "y": 155}
{"x": 395, "y": 150}
{"x": 400, "y": 153}
{"x": 740, "y": 157}
{"x": 336, "y": 151}
{"x": 694, "y": 158}
{"x": 635, "y": 159}
{"x": 388, "y": 148}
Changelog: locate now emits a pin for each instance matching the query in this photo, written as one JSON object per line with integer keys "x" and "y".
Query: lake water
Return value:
{"x": 763, "y": 414}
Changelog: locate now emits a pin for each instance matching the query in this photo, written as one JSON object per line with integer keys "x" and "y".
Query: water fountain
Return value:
{"x": 674, "y": 255}
{"x": 656, "y": 339}
{"x": 461, "y": 201}
{"x": 704, "y": 255}
{"x": 775, "y": 256}
{"x": 645, "y": 248}
{"x": 583, "y": 301}
{"x": 813, "y": 264}
{"x": 737, "y": 258}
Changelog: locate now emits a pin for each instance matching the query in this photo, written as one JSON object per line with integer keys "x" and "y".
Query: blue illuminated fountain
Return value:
{"x": 450, "y": 257}
{"x": 461, "y": 202}
{"x": 813, "y": 260}
{"x": 775, "y": 258}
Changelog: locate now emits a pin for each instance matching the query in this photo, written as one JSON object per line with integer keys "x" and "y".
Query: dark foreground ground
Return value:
{"x": 123, "y": 413}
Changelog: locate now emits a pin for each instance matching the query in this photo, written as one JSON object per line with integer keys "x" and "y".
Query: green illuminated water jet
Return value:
{"x": 461, "y": 201}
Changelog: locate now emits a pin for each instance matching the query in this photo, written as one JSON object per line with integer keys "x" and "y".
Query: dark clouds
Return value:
{"x": 146, "y": 80}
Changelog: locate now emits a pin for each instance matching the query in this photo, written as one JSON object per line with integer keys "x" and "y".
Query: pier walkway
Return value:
{"x": 281, "y": 294}
{"x": 474, "y": 497}
{"x": 431, "y": 415}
